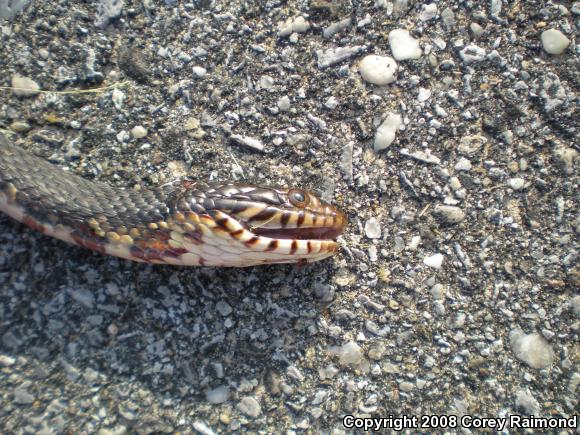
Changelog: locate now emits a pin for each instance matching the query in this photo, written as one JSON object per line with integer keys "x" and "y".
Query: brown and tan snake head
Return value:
{"x": 183, "y": 223}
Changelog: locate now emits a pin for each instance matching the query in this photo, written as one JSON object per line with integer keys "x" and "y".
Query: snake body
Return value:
{"x": 184, "y": 222}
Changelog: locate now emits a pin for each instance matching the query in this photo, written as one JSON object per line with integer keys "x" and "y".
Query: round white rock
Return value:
{"x": 554, "y": 41}
{"x": 378, "y": 70}
{"x": 138, "y": 132}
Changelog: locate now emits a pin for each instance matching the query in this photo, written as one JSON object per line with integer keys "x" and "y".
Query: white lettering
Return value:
{"x": 376, "y": 424}
{"x": 468, "y": 421}
{"x": 531, "y": 422}
{"x": 347, "y": 421}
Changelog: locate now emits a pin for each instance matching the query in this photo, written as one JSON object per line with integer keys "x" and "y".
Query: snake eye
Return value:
{"x": 298, "y": 198}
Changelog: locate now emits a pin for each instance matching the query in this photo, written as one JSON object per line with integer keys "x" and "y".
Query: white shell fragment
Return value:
{"x": 118, "y": 98}
{"x": 472, "y": 53}
{"x": 403, "y": 45}
{"x": 293, "y": 25}
{"x": 428, "y": 12}
{"x": 332, "y": 56}
{"x": 385, "y": 134}
{"x": 284, "y": 103}
{"x": 350, "y": 355}
{"x": 435, "y": 261}
{"x": 248, "y": 141}
{"x": 532, "y": 349}
{"x": 24, "y": 86}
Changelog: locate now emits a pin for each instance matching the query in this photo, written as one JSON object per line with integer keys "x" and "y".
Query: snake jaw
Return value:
{"x": 333, "y": 225}
{"x": 317, "y": 220}
{"x": 264, "y": 233}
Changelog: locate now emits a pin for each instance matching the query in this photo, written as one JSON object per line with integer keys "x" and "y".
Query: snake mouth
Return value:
{"x": 338, "y": 222}
{"x": 323, "y": 233}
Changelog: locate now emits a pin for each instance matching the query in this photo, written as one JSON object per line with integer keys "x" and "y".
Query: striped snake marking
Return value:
{"x": 184, "y": 223}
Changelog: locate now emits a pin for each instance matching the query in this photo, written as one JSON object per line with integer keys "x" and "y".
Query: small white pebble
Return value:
{"x": 300, "y": 25}
{"x": 437, "y": 291}
{"x": 454, "y": 183}
{"x": 138, "y": 132}
{"x": 378, "y": 70}
{"x": 372, "y": 228}
{"x": 435, "y": 261}
{"x": 123, "y": 136}
{"x": 428, "y": 12}
{"x": 566, "y": 157}
{"x": 435, "y": 124}
{"x": 516, "y": 183}
{"x": 118, "y": 97}
{"x": 440, "y": 111}
{"x": 476, "y": 29}
{"x": 43, "y": 53}
{"x": 293, "y": 25}
{"x": 373, "y": 254}
{"x": 266, "y": 82}
{"x": 248, "y": 141}
{"x": 284, "y": 103}
{"x": 554, "y": 41}
{"x": 403, "y": 45}
{"x": 327, "y": 372}
{"x": 285, "y": 28}
{"x": 218, "y": 395}
{"x": 7, "y": 361}
{"x": 250, "y": 406}
{"x": 463, "y": 164}
{"x": 423, "y": 95}
{"x": 331, "y": 103}
{"x": 472, "y": 53}
{"x": 449, "y": 213}
{"x": 414, "y": 244}
{"x": 385, "y": 134}
{"x": 199, "y": 426}
{"x": 199, "y": 72}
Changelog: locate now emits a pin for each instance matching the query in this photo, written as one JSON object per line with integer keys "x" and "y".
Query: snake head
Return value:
{"x": 273, "y": 224}
{"x": 284, "y": 214}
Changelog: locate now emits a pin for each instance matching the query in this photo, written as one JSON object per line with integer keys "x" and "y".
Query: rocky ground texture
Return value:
{"x": 451, "y": 144}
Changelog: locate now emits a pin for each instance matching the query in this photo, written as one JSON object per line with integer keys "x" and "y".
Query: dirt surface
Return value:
{"x": 455, "y": 292}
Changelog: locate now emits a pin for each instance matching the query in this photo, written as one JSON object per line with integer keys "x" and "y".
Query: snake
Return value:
{"x": 184, "y": 222}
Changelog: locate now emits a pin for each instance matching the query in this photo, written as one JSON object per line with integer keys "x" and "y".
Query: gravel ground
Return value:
{"x": 455, "y": 293}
